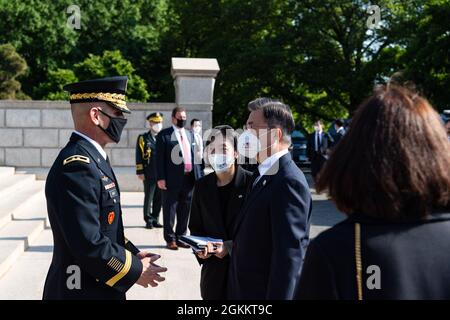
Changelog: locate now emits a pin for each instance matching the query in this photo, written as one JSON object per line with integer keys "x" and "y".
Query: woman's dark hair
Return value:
{"x": 394, "y": 162}
{"x": 225, "y": 131}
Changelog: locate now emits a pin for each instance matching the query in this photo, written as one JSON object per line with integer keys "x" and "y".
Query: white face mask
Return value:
{"x": 220, "y": 162}
{"x": 197, "y": 129}
{"x": 316, "y": 128}
{"x": 248, "y": 144}
{"x": 157, "y": 127}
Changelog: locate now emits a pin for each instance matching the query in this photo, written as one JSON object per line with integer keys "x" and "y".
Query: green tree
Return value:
{"x": 38, "y": 31}
{"x": 425, "y": 58}
{"x": 52, "y": 88}
{"x": 12, "y": 65}
{"x": 110, "y": 63}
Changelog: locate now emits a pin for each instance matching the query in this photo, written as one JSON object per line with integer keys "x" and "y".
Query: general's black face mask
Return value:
{"x": 115, "y": 127}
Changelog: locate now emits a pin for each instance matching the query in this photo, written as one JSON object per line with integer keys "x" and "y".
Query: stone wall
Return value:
{"x": 33, "y": 132}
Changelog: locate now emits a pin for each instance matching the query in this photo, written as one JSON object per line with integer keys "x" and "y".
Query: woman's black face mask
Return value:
{"x": 115, "y": 127}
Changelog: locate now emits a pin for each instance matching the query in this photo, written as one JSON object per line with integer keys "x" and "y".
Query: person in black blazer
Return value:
{"x": 271, "y": 233}
{"x": 177, "y": 171}
{"x": 340, "y": 131}
{"x": 216, "y": 202}
{"x": 395, "y": 189}
{"x": 318, "y": 148}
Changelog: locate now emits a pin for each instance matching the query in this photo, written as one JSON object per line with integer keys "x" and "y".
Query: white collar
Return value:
{"x": 269, "y": 162}
{"x": 94, "y": 143}
{"x": 176, "y": 128}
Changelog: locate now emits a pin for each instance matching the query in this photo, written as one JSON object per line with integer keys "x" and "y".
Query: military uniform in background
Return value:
{"x": 146, "y": 165}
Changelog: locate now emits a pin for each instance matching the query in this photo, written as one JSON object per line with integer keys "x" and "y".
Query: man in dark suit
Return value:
{"x": 272, "y": 229}
{"x": 319, "y": 145}
{"x": 146, "y": 170}
{"x": 177, "y": 172}
{"x": 92, "y": 259}
{"x": 340, "y": 131}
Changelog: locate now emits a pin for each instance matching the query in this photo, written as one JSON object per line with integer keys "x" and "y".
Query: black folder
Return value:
{"x": 197, "y": 243}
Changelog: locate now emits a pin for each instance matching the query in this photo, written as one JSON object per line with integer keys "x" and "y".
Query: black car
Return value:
{"x": 299, "y": 147}
{"x": 445, "y": 116}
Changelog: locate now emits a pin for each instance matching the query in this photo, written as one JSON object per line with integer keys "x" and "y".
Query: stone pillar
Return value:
{"x": 194, "y": 81}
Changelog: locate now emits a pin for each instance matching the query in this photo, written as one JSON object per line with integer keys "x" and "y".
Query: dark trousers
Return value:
{"x": 177, "y": 204}
{"x": 317, "y": 163}
{"x": 152, "y": 201}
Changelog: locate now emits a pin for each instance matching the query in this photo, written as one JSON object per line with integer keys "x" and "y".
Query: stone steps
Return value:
{"x": 21, "y": 204}
{"x": 15, "y": 238}
{"x": 23, "y": 214}
{"x": 25, "y": 280}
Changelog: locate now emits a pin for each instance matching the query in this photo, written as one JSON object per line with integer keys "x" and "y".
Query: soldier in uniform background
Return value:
{"x": 92, "y": 259}
{"x": 146, "y": 170}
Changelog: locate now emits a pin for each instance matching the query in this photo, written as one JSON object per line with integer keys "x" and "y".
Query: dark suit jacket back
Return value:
{"x": 271, "y": 235}
{"x": 172, "y": 169}
{"x": 206, "y": 220}
{"x": 412, "y": 257}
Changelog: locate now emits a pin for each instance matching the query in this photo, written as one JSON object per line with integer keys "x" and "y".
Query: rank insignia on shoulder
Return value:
{"x": 76, "y": 158}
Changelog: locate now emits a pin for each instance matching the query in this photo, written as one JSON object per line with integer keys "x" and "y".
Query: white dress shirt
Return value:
{"x": 318, "y": 140}
{"x": 198, "y": 148}
{"x": 182, "y": 132}
{"x": 94, "y": 143}
{"x": 268, "y": 163}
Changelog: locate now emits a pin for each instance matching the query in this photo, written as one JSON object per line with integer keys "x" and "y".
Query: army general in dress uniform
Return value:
{"x": 146, "y": 170}
{"x": 92, "y": 259}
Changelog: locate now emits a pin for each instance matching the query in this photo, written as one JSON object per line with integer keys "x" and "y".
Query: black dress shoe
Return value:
{"x": 182, "y": 245}
{"x": 157, "y": 225}
{"x": 148, "y": 225}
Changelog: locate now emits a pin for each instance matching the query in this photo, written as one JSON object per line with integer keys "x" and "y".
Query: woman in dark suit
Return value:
{"x": 215, "y": 204}
{"x": 391, "y": 175}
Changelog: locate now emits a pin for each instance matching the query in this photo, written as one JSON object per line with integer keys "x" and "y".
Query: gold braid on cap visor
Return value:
{"x": 116, "y": 98}
{"x": 155, "y": 119}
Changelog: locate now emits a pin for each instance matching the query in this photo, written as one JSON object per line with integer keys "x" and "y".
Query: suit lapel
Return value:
{"x": 255, "y": 192}
{"x": 190, "y": 138}
{"x": 153, "y": 140}
{"x": 237, "y": 198}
